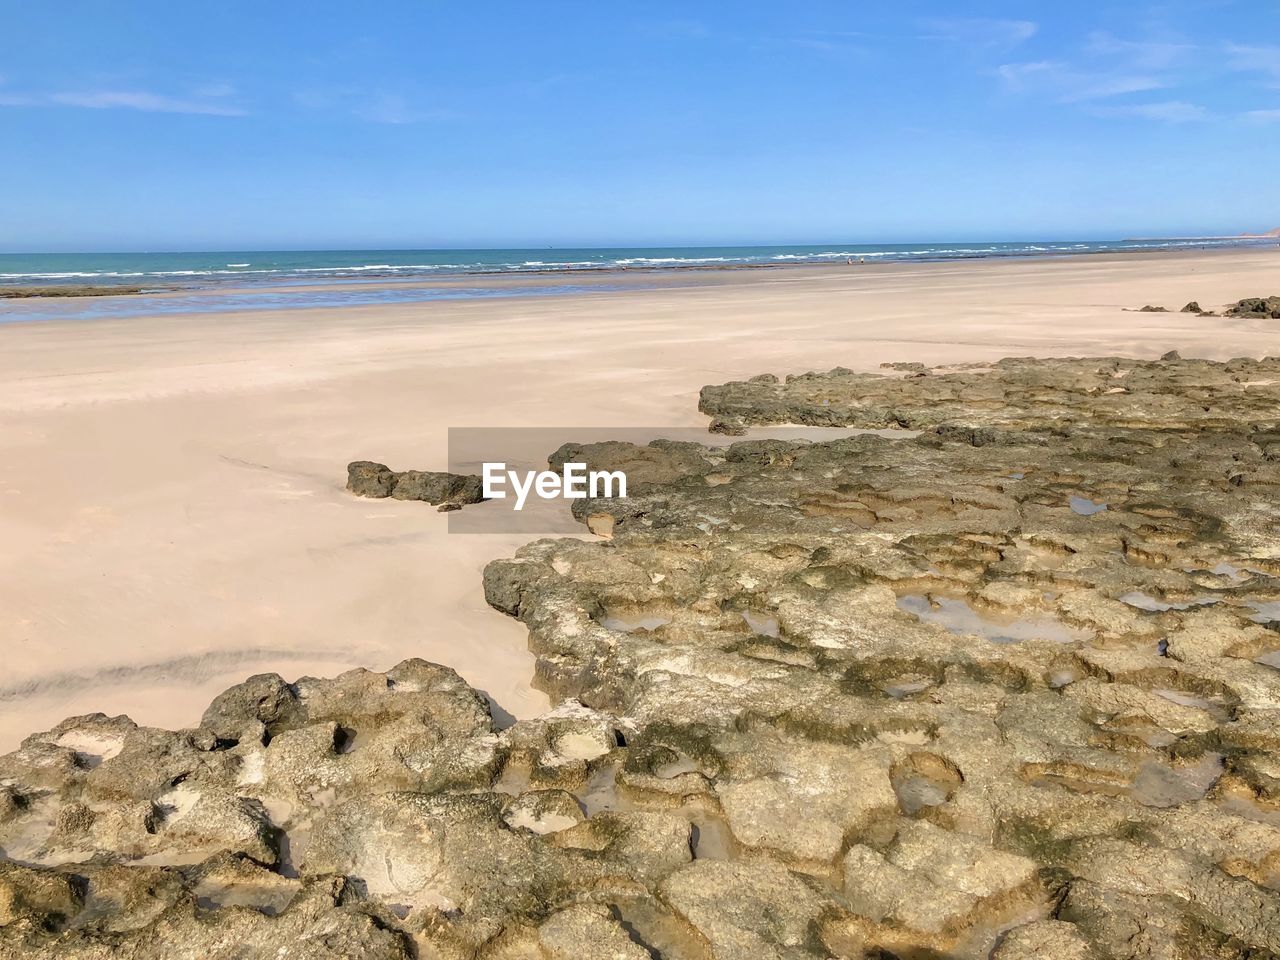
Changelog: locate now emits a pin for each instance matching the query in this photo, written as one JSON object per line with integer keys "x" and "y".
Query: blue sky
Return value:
{"x": 140, "y": 125}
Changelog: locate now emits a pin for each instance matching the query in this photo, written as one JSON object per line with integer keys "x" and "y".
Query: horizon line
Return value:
{"x": 635, "y": 246}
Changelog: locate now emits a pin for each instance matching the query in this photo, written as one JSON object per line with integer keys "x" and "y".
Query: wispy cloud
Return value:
{"x": 1068, "y": 84}
{"x": 978, "y": 32}
{"x": 372, "y": 106}
{"x": 1139, "y": 54}
{"x": 1104, "y": 75}
{"x": 1262, "y": 116}
{"x": 145, "y": 101}
{"x": 209, "y": 101}
{"x": 1255, "y": 58}
{"x": 1168, "y": 111}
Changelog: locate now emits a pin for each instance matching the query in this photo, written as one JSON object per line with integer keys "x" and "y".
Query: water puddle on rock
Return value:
{"x": 267, "y": 898}
{"x": 176, "y": 858}
{"x": 712, "y": 838}
{"x": 960, "y": 618}
{"x": 923, "y": 780}
{"x": 1144, "y": 601}
{"x": 1271, "y": 659}
{"x": 916, "y": 792}
{"x": 527, "y": 818}
{"x": 1063, "y": 676}
{"x": 601, "y": 792}
{"x": 1264, "y": 610}
{"x": 633, "y": 620}
{"x": 1216, "y": 708}
{"x": 761, "y": 623}
{"x": 676, "y": 768}
{"x": 1249, "y": 809}
{"x": 1162, "y": 785}
{"x": 1086, "y": 507}
{"x": 1225, "y": 569}
{"x": 906, "y": 686}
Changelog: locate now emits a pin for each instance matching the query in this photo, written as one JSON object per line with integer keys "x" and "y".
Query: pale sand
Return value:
{"x": 171, "y": 502}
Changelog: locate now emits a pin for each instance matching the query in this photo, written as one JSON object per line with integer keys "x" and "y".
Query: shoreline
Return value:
{"x": 392, "y": 279}
{"x": 587, "y": 282}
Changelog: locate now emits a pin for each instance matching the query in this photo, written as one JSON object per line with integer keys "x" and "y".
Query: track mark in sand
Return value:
{"x": 190, "y": 669}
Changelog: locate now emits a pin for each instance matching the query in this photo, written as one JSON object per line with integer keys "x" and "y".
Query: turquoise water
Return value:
{"x": 198, "y": 301}
{"x": 255, "y": 267}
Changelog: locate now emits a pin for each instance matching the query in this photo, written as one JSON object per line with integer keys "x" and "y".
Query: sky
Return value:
{"x": 141, "y": 125}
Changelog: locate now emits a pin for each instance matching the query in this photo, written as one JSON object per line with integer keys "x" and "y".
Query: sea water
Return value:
{"x": 294, "y": 266}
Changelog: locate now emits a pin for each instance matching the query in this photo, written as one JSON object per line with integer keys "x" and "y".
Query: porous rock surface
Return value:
{"x": 371, "y": 816}
{"x": 1256, "y": 307}
{"x": 1008, "y": 686}
{"x": 1006, "y": 679}
{"x": 365, "y": 478}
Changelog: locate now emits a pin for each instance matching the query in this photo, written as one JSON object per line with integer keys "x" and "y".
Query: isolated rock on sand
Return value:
{"x": 1192, "y": 307}
{"x": 368, "y": 479}
{"x": 1256, "y": 307}
{"x": 1150, "y": 309}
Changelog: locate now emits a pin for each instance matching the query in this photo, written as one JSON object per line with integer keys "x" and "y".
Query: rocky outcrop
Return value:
{"x": 374, "y": 815}
{"x": 1261, "y": 308}
{"x": 1017, "y": 393}
{"x": 447, "y": 490}
{"x": 1000, "y": 680}
{"x": 1017, "y": 671}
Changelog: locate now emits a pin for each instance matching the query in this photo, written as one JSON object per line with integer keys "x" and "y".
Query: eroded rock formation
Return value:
{"x": 1256, "y": 307}
{"x": 1019, "y": 671}
{"x": 449, "y": 491}
{"x": 1004, "y": 681}
{"x": 375, "y": 815}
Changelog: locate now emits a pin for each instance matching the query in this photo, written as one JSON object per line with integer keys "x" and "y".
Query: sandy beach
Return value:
{"x": 171, "y": 488}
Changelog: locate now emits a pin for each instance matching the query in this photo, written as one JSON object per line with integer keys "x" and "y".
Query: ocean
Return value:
{"x": 249, "y": 267}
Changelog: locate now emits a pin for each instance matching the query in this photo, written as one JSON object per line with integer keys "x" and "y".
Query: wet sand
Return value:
{"x": 171, "y": 497}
